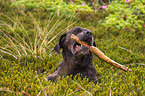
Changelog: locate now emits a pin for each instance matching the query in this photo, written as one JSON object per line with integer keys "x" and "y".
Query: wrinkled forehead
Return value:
{"x": 77, "y": 30}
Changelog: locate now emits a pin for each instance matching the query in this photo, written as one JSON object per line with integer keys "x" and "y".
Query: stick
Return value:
{"x": 100, "y": 54}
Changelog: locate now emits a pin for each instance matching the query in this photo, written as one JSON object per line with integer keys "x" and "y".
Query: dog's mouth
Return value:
{"x": 77, "y": 47}
{"x": 80, "y": 50}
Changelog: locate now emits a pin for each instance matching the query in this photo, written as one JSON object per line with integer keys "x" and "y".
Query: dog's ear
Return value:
{"x": 93, "y": 41}
{"x": 94, "y": 44}
{"x": 59, "y": 45}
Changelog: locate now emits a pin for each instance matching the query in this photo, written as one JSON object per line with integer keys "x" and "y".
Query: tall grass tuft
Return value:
{"x": 20, "y": 39}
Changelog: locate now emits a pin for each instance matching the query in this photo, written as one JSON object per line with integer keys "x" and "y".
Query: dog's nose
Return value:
{"x": 88, "y": 33}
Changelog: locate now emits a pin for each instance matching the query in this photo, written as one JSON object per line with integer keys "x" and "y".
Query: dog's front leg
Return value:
{"x": 62, "y": 70}
{"x": 52, "y": 76}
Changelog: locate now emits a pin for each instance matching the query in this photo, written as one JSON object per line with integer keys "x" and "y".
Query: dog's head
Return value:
{"x": 72, "y": 46}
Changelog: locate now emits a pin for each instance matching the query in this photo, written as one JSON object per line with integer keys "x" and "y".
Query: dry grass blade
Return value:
{"x": 8, "y": 53}
{"x": 72, "y": 92}
{"x": 136, "y": 64}
{"x": 7, "y": 90}
{"x": 15, "y": 23}
{"x": 110, "y": 86}
{"x": 125, "y": 49}
{"x": 39, "y": 93}
{"x": 12, "y": 44}
{"x": 60, "y": 32}
{"x": 20, "y": 46}
{"x": 12, "y": 29}
{"x": 83, "y": 88}
{"x": 52, "y": 30}
{"x": 40, "y": 85}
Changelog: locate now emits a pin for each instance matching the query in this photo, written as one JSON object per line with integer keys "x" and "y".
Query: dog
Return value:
{"x": 76, "y": 57}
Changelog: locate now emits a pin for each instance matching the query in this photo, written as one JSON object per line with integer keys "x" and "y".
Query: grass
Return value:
{"x": 26, "y": 58}
{"x": 18, "y": 37}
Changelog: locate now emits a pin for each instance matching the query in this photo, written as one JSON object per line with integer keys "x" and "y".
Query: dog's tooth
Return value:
{"x": 81, "y": 45}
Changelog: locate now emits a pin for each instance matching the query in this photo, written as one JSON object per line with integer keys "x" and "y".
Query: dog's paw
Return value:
{"x": 50, "y": 77}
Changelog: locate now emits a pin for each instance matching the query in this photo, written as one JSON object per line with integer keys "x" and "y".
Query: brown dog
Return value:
{"x": 76, "y": 58}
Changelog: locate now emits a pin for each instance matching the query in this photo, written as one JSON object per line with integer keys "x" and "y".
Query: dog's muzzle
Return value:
{"x": 80, "y": 50}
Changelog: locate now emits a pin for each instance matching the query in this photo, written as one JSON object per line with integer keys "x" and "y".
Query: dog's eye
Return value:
{"x": 75, "y": 32}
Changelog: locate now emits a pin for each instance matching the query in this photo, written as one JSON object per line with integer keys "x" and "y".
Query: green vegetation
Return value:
{"x": 126, "y": 15}
{"x": 27, "y": 37}
{"x": 54, "y": 6}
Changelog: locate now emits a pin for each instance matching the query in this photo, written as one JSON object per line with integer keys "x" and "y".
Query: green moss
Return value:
{"x": 26, "y": 74}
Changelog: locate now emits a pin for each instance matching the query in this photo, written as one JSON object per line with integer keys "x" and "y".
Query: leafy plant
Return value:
{"x": 54, "y": 6}
{"x": 125, "y": 15}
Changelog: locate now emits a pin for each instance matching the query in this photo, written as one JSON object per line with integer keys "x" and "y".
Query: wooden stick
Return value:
{"x": 100, "y": 54}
